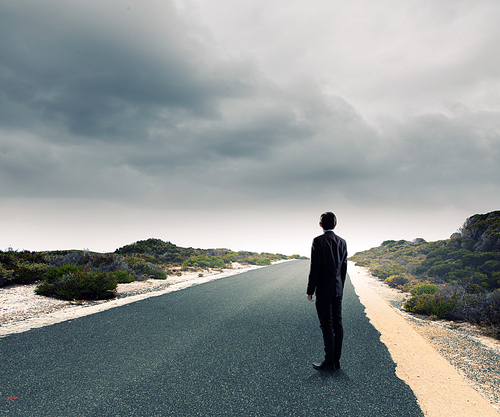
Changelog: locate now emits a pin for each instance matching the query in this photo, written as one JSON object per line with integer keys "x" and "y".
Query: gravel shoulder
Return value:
{"x": 464, "y": 353}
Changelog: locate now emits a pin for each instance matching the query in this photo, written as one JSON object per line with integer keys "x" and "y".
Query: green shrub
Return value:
{"x": 6, "y": 276}
{"x": 21, "y": 267}
{"x": 424, "y": 289}
{"x": 151, "y": 271}
{"x": 230, "y": 257}
{"x": 387, "y": 270}
{"x": 104, "y": 262}
{"x": 396, "y": 280}
{"x": 204, "y": 261}
{"x": 495, "y": 277}
{"x": 145, "y": 270}
{"x": 430, "y": 305}
{"x": 482, "y": 309}
{"x": 83, "y": 284}
{"x": 122, "y": 277}
{"x": 474, "y": 288}
{"x": 26, "y": 272}
{"x": 254, "y": 260}
{"x": 54, "y": 274}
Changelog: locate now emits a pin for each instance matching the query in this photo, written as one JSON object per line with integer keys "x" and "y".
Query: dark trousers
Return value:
{"x": 330, "y": 320}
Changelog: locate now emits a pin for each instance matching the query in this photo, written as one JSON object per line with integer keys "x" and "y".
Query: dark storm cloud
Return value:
{"x": 99, "y": 77}
{"x": 71, "y": 78}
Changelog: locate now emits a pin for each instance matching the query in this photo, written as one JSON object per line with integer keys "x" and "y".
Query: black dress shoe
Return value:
{"x": 324, "y": 366}
{"x": 336, "y": 365}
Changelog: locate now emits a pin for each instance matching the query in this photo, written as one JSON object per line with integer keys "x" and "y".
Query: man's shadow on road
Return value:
{"x": 321, "y": 377}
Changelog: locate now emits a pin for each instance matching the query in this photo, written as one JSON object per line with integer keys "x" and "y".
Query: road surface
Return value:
{"x": 238, "y": 346}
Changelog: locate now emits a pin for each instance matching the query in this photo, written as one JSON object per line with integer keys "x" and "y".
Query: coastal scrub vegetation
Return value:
{"x": 70, "y": 282}
{"x": 457, "y": 278}
{"x": 86, "y": 275}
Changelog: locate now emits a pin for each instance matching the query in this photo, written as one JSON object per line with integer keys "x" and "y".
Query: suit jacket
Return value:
{"x": 328, "y": 266}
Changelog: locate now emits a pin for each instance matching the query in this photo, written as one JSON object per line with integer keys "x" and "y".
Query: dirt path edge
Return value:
{"x": 439, "y": 388}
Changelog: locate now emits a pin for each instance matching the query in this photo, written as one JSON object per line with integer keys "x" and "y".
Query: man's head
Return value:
{"x": 328, "y": 221}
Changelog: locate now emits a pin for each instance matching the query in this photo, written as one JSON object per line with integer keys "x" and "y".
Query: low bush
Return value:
{"x": 80, "y": 284}
{"x": 254, "y": 260}
{"x": 430, "y": 304}
{"x": 53, "y": 274}
{"x": 481, "y": 309}
{"x": 6, "y": 276}
{"x": 230, "y": 257}
{"x": 204, "y": 261}
{"x": 21, "y": 267}
{"x": 27, "y": 272}
{"x": 104, "y": 262}
{"x": 424, "y": 289}
{"x": 144, "y": 270}
{"x": 122, "y": 277}
{"x": 384, "y": 271}
{"x": 396, "y": 281}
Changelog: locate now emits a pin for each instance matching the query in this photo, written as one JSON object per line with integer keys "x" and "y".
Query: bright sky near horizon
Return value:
{"x": 237, "y": 123}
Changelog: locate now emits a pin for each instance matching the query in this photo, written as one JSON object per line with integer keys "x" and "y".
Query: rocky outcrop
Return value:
{"x": 480, "y": 232}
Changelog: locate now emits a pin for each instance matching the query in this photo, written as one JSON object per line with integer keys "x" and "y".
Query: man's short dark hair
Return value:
{"x": 328, "y": 221}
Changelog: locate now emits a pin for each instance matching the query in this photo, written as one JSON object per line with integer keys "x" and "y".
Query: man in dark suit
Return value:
{"x": 326, "y": 279}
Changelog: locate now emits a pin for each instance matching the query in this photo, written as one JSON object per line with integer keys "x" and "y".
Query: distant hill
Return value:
{"x": 173, "y": 255}
{"x": 73, "y": 274}
{"x": 456, "y": 278}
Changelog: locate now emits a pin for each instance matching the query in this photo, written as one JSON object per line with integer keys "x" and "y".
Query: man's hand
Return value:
{"x": 310, "y": 297}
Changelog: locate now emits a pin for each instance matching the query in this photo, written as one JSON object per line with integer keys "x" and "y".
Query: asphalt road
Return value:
{"x": 237, "y": 346}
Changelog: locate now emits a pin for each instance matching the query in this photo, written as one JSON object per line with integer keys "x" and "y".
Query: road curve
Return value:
{"x": 238, "y": 346}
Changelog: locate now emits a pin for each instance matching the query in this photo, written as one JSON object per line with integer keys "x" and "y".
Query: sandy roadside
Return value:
{"x": 440, "y": 389}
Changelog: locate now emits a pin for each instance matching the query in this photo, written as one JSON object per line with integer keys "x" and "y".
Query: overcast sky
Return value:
{"x": 237, "y": 123}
